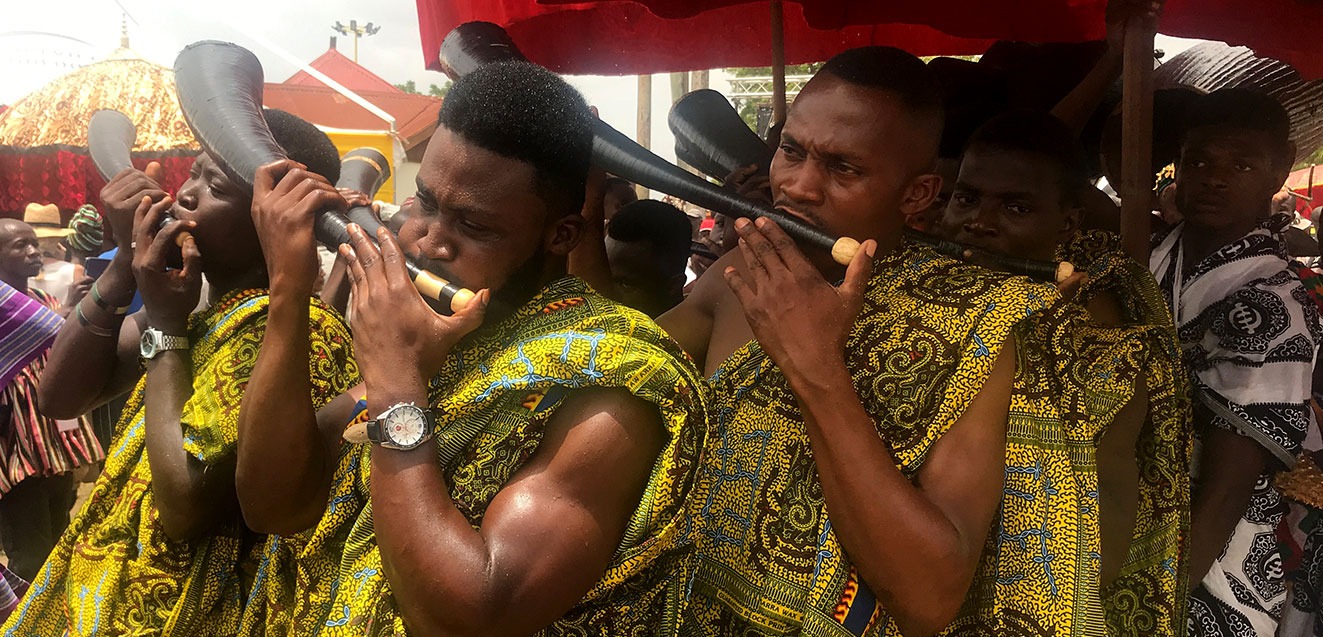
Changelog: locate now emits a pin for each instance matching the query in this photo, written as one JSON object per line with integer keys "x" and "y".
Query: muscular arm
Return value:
{"x": 1229, "y": 465}
{"x": 84, "y": 370}
{"x": 915, "y": 544}
{"x": 286, "y": 457}
{"x": 547, "y": 536}
{"x": 192, "y": 497}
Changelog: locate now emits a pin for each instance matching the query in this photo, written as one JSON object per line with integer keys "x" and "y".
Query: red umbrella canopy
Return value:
{"x": 624, "y": 38}
{"x": 1285, "y": 30}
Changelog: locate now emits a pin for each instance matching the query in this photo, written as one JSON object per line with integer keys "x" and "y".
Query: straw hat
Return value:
{"x": 45, "y": 220}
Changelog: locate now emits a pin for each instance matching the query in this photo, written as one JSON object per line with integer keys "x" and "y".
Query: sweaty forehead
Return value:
{"x": 834, "y": 116}
{"x": 461, "y": 174}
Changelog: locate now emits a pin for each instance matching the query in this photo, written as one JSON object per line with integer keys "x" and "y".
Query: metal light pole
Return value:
{"x": 352, "y": 29}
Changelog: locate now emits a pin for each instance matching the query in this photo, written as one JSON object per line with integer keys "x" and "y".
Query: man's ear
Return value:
{"x": 564, "y": 235}
{"x": 921, "y": 193}
{"x": 1071, "y": 220}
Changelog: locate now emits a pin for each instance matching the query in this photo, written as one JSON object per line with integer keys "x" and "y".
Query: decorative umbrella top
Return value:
{"x": 57, "y": 114}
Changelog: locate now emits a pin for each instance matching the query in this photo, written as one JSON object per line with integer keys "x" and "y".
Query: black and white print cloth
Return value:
{"x": 1249, "y": 333}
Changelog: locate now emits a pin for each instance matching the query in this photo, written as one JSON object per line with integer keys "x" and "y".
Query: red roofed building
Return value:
{"x": 343, "y": 70}
{"x": 349, "y": 124}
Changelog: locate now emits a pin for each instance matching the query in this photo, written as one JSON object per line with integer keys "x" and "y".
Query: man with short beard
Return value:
{"x": 530, "y": 455}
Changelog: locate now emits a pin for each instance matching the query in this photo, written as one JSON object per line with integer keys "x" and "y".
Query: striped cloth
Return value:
{"x": 12, "y": 588}
{"x": 32, "y": 444}
{"x": 27, "y": 328}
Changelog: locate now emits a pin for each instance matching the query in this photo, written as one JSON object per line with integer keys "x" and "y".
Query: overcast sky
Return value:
{"x": 70, "y": 33}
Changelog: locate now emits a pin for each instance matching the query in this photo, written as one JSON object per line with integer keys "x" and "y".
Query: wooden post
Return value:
{"x": 778, "y": 65}
{"x": 1313, "y": 214}
{"x": 698, "y": 80}
{"x": 644, "y": 134}
{"x": 679, "y": 89}
{"x": 679, "y": 86}
{"x": 1137, "y": 138}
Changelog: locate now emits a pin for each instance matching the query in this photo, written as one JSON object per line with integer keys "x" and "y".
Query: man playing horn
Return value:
{"x": 530, "y": 456}
{"x": 1097, "y": 441}
{"x": 882, "y": 400}
{"x": 160, "y": 547}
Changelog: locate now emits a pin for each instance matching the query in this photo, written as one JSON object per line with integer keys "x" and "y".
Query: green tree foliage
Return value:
{"x": 433, "y": 90}
{"x": 748, "y": 108}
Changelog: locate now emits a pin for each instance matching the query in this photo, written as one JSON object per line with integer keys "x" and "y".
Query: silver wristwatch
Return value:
{"x": 155, "y": 341}
{"x": 402, "y": 427}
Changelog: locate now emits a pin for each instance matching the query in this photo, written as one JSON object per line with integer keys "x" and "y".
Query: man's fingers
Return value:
{"x": 470, "y": 317}
{"x": 738, "y": 285}
{"x": 393, "y": 259}
{"x": 192, "y": 259}
{"x": 785, "y": 247}
{"x": 154, "y": 171}
{"x": 293, "y": 177}
{"x": 264, "y": 180}
{"x": 321, "y": 197}
{"x": 1072, "y": 285}
{"x": 146, "y": 219}
{"x": 858, "y": 273}
{"x": 166, "y": 240}
{"x": 756, "y": 243}
{"x": 353, "y": 267}
{"x": 365, "y": 251}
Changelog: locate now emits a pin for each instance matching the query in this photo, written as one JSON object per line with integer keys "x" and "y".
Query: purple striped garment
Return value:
{"x": 27, "y": 329}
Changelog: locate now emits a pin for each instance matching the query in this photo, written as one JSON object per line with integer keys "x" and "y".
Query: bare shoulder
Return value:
{"x": 598, "y": 449}
{"x": 691, "y": 322}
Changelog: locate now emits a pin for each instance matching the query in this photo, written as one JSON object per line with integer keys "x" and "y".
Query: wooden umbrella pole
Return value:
{"x": 1137, "y": 137}
{"x": 1313, "y": 215}
{"x": 644, "y": 130}
{"x": 778, "y": 65}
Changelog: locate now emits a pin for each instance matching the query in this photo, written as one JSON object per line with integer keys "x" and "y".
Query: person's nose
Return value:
{"x": 804, "y": 184}
{"x": 983, "y": 222}
{"x": 437, "y": 242}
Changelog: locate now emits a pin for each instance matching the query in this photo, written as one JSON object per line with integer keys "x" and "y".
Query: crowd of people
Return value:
{"x": 655, "y": 420}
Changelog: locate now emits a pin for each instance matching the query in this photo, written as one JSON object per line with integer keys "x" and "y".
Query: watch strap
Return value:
{"x": 167, "y": 342}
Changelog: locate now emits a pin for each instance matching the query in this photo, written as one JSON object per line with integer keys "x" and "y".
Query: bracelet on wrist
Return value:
{"x": 93, "y": 328}
{"x": 103, "y": 304}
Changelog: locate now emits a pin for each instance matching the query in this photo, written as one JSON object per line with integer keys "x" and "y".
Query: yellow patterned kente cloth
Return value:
{"x": 114, "y": 571}
{"x": 1040, "y": 569}
{"x": 494, "y": 398}
{"x": 768, "y": 560}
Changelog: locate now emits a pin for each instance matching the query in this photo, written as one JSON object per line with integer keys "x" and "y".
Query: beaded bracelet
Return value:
{"x": 101, "y": 303}
{"x": 95, "y": 329}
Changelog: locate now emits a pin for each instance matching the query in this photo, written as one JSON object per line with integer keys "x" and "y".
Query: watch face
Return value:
{"x": 148, "y": 344}
{"x": 405, "y": 426}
